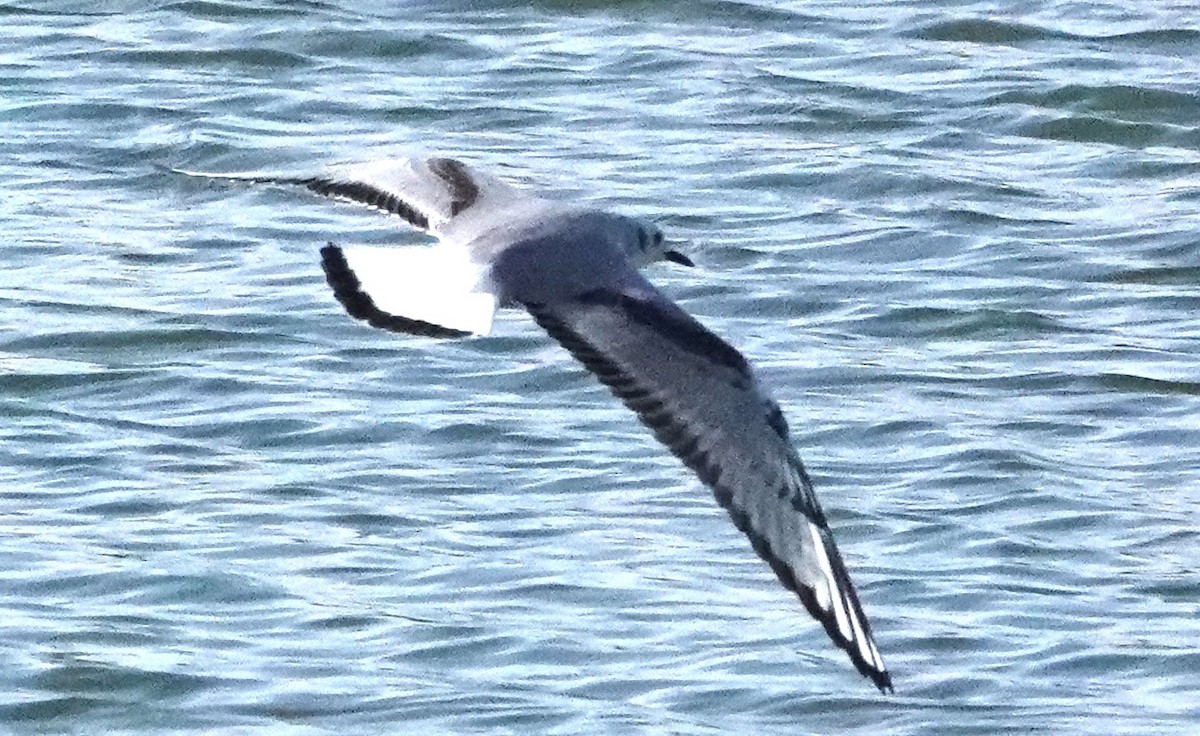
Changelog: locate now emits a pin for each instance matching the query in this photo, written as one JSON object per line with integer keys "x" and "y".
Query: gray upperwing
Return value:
{"x": 700, "y": 398}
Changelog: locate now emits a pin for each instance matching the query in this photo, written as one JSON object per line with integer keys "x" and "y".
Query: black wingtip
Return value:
{"x": 348, "y": 290}
{"x": 883, "y": 681}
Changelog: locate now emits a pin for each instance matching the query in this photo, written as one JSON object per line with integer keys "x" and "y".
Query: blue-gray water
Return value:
{"x": 961, "y": 242}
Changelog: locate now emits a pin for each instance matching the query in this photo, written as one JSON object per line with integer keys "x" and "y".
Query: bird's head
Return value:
{"x": 649, "y": 245}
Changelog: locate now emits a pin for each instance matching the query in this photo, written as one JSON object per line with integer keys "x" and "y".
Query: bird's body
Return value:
{"x": 575, "y": 269}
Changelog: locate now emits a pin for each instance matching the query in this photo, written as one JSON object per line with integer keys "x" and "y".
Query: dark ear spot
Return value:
{"x": 658, "y": 238}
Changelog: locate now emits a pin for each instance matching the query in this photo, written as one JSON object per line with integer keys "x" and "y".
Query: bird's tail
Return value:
{"x": 424, "y": 290}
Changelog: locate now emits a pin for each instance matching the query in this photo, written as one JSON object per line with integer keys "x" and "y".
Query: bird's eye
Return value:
{"x": 643, "y": 239}
{"x": 658, "y": 238}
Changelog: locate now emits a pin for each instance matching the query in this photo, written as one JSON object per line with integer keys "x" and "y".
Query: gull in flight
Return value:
{"x": 576, "y": 270}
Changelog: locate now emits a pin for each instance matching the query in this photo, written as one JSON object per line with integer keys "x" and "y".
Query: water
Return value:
{"x": 959, "y": 242}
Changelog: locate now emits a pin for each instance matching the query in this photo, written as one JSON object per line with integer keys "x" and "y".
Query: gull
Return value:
{"x": 576, "y": 270}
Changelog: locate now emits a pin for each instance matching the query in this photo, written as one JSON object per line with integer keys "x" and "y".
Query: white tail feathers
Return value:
{"x": 426, "y": 290}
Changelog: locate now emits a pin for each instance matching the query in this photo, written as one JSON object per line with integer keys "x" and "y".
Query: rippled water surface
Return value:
{"x": 960, "y": 241}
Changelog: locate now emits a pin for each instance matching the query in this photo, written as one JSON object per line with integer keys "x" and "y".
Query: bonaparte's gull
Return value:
{"x": 575, "y": 269}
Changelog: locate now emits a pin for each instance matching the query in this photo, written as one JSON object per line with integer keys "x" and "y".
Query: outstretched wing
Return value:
{"x": 433, "y": 194}
{"x": 702, "y": 401}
